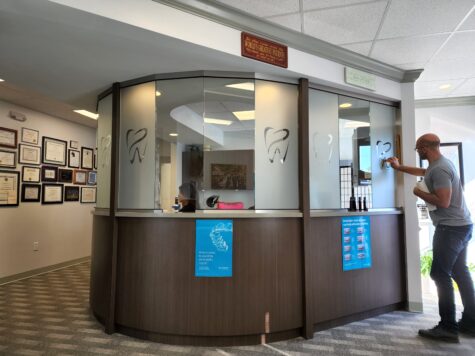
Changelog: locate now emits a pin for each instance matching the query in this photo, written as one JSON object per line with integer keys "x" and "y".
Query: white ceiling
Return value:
{"x": 436, "y": 35}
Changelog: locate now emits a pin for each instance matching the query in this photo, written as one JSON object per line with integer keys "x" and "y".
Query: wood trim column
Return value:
{"x": 304, "y": 192}
{"x": 114, "y": 195}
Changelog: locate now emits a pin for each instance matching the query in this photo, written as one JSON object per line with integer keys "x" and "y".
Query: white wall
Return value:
{"x": 63, "y": 231}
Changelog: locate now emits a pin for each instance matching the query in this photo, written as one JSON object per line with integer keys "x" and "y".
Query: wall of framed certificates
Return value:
{"x": 47, "y": 190}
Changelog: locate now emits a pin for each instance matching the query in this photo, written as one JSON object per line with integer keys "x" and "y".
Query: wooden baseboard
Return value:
{"x": 35, "y": 272}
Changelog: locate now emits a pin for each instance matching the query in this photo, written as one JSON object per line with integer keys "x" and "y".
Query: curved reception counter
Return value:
{"x": 279, "y": 281}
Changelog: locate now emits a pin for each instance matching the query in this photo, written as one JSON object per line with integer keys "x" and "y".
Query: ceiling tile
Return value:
{"x": 424, "y": 90}
{"x": 460, "y": 46}
{"x": 466, "y": 89}
{"x": 289, "y": 21}
{"x": 321, "y": 4}
{"x": 407, "y": 50}
{"x": 264, "y": 8}
{"x": 345, "y": 25}
{"x": 469, "y": 23}
{"x": 451, "y": 69}
{"x": 422, "y": 17}
{"x": 360, "y": 47}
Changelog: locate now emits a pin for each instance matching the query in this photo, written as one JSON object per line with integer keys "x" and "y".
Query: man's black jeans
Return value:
{"x": 450, "y": 261}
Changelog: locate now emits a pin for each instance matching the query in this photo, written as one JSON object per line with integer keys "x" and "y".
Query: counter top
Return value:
{"x": 344, "y": 212}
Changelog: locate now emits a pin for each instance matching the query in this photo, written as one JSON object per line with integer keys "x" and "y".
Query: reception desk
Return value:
{"x": 156, "y": 296}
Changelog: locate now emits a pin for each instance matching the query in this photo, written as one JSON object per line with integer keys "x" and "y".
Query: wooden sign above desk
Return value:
{"x": 263, "y": 50}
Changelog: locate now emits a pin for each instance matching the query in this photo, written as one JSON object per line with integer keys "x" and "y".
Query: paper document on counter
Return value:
{"x": 423, "y": 186}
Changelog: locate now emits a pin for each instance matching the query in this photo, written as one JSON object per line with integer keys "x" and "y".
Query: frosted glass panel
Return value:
{"x": 382, "y": 146}
{"x": 104, "y": 144}
{"x": 276, "y": 157}
{"x": 137, "y": 147}
{"x": 324, "y": 153}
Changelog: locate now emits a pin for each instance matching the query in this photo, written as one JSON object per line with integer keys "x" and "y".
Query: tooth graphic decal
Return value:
{"x": 135, "y": 144}
{"x": 276, "y": 142}
{"x": 382, "y": 148}
{"x": 216, "y": 237}
{"x": 105, "y": 151}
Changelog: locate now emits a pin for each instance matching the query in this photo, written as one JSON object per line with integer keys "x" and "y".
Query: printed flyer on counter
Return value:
{"x": 356, "y": 242}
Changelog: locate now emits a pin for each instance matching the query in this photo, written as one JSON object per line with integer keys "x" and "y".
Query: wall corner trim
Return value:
{"x": 438, "y": 102}
{"x": 410, "y": 76}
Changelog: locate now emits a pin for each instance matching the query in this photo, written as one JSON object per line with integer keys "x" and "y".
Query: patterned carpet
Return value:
{"x": 49, "y": 315}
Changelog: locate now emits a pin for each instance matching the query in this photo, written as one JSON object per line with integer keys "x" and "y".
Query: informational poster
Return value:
{"x": 356, "y": 242}
{"x": 214, "y": 248}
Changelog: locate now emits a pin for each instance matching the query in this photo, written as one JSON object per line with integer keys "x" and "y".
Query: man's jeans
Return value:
{"x": 450, "y": 261}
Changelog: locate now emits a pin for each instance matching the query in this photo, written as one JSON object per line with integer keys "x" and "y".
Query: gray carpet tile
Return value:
{"x": 49, "y": 315}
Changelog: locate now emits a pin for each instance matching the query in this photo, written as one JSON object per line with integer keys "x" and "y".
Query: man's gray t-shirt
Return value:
{"x": 442, "y": 174}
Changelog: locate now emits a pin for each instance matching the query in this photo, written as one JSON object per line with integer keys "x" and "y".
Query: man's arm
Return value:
{"x": 415, "y": 171}
{"x": 440, "y": 198}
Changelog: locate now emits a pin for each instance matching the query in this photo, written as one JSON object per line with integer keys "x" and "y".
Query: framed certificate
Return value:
{"x": 79, "y": 177}
{"x": 87, "y": 158}
{"x": 49, "y": 174}
{"x": 30, "y": 193}
{"x": 30, "y": 136}
{"x": 54, "y": 151}
{"x": 8, "y": 137}
{"x": 95, "y": 158}
{"x": 88, "y": 195}
{"x": 71, "y": 193}
{"x": 29, "y": 154}
{"x": 73, "y": 160}
{"x": 65, "y": 175}
{"x": 30, "y": 174}
{"x": 91, "y": 178}
{"x": 74, "y": 144}
{"x": 7, "y": 159}
{"x": 52, "y": 194}
{"x": 9, "y": 186}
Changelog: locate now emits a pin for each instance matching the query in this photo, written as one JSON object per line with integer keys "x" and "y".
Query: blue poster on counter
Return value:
{"x": 214, "y": 248}
{"x": 356, "y": 242}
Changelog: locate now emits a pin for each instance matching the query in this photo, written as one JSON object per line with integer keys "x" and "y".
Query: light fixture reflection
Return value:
{"x": 157, "y": 93}
{"x": 244, "y": 86}
{"x": 355, "y": 124}
{"x": 445, "y": 86}
{"x": 346, "y": 105}
{"x": 218, "y": 121}
{"x": 87, "y": 113}
{"x": 173, "y": 134}
{"x": 1, "y": 80}
{"x": 244, "y": 115}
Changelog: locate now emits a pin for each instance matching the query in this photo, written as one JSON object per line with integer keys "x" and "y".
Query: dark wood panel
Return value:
{"x": 157, "y": 290}
{"x": 101, "y": 254}
{"x": 339, "y": 294}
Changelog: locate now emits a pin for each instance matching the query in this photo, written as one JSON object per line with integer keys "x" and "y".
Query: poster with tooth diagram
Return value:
{"x": 356, "y": 242}
{"x": 214, "y": 248}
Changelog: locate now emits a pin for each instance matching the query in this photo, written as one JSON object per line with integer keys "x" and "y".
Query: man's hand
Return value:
{"x": 394, "y": 162}
{"x": 417, "y": 192}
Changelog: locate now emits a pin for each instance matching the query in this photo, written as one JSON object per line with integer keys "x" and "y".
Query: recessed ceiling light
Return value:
{"x": 157, "y": 93}
{"x": 244, "y": 86}
{"x": 173, "y": 134}
{"x": 218, "y": 121}
{"x": 445, "y": 86}
{"x": 346, "y": 105}
{"x": 87, "y": 113}
{"x": 244, "y": 115}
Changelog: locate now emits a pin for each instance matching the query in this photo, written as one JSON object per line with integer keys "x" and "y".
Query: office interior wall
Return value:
{"x": 63, "y": 231}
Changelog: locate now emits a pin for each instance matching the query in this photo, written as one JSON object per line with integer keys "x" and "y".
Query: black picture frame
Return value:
{"x": 21, "y": 158}
{"x": 16, "y": 187}
{"x": 59, "y": 161}
{"x": 72, "y": 158}
{"x": 46, "y": 174}
{"x": 95, "y": 158}
{"x": 46, "y": 188}
{"x": 71, "y": 193}
{"x": 85, "y": 189}
{"x": 65, "y": 175}
{"x": 38, "y": 171}
{"x": 5, "y": 165}
{"x": 454, "y": 152}
{"x": 86, "y": 154}
{"x": 27, "y": 199}
{"x": 4, "y": 132}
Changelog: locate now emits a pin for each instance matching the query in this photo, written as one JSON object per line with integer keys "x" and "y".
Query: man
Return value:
{"x": 452, "y": 233}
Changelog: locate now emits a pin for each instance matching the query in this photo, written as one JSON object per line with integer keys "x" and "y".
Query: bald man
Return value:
{"x": 452, "y": 233}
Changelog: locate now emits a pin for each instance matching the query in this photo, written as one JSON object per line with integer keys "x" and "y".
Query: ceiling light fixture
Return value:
{"x": 218, "y": 121}
{"x": 1, "y": 80}
{"x": 346, "y": 105}
{"x": 244, "y": 86}
{"x": 173, "y": 134}
{"x": 445, "y": 86}
{"x": 245, "y": 115}
{"x": 157, "y": 93}
{"x": 87, "y": 113}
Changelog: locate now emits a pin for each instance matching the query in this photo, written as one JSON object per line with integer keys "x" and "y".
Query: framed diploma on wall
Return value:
{"x": 73, "y": 159}
{"x": 30, "y": 174}
{"x": 54, "y": 151}
{"x": 30, "y": 193}
{"x": 49, "y": 174}
{"x": 8, "y": 137}
{"x": 30, "y": 136}
{"x": 7, "y": 159}
{"x": 87, "y": 158}
{"x": 29, "y": 154}
{"x": 80, "y": 177}
{"x": 74, "y": 144}
{"x": 9, "y": 186}
{"x": 52, "y": 194}
{"x": 88, "y": 195}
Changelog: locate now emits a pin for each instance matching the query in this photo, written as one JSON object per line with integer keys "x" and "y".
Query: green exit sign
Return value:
{"x": 360, "y": 79}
